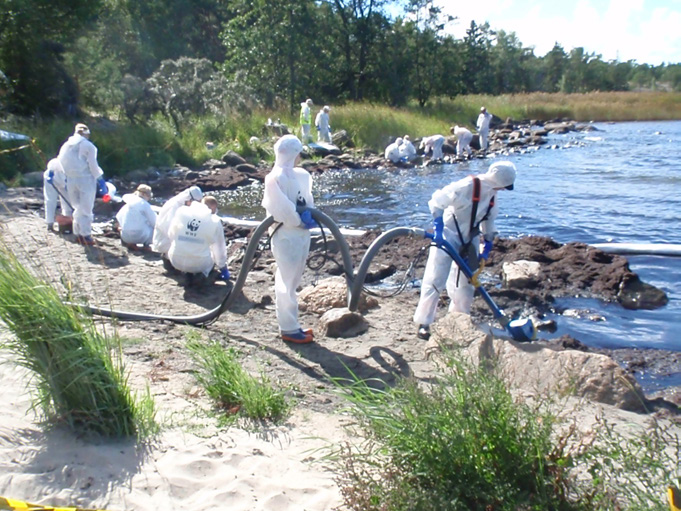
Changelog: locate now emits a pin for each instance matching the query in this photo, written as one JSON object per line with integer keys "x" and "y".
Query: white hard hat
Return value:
{"x": 308, "y": 101}
{"x": 483, "y": 109}
{"x": 326, "y": 108}
{"x": 195, "y": 193}
{"x": 502, "y": 174}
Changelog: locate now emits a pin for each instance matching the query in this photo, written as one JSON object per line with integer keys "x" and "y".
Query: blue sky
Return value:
{"x": 647, "y": 31}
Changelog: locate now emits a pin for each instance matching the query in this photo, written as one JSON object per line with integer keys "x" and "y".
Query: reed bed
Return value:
{"x": 78, "y": 377}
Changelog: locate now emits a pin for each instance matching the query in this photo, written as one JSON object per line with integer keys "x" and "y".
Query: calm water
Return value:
{"x": 621, "y": 183}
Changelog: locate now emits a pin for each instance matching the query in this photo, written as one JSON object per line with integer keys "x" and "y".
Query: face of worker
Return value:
{"x": 297, "y": 160}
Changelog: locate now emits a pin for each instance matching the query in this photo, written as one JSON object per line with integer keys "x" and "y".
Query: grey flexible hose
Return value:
{"x": 209, "y": 316}
{"x": 362, "y": 270}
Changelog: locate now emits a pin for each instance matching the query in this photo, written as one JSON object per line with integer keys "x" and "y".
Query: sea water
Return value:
{"x": 618, "y": 183}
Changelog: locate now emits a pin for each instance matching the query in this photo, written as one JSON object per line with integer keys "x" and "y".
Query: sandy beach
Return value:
{"x": 195, "y": 463}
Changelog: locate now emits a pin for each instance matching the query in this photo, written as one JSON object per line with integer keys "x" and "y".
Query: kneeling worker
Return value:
{"x": 460, "y": 218}
{"x": 197, "y": 242}
{"x": 136, "y": 219}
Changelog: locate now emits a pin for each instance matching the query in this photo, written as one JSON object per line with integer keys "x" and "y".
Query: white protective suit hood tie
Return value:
{"x": 286, "y": 149}
{"x": 502, "y": 174}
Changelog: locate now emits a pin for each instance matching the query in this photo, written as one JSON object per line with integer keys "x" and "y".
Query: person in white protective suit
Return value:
{"x": 161, "y": 240}
{"x": 288, "y": 190}
{"x": 55, "y": 191}
{"x": 452, "y": 209}
{"x": 322, "y": 124}
{"x": 433, "y": 143}
{"x": 407, "y": 150}
{"x": 305, "y": 120}
{"x": 483, "y": 127}
{"x": 136, "y": 219}
{"x": 78, "y": 158}
{"x": 463, "y": 140}
{"x": 197, "y": 243}
{"x": 392, "y": 152}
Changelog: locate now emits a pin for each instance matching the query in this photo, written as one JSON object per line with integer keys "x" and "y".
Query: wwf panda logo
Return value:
{"x": 193, "y": 225}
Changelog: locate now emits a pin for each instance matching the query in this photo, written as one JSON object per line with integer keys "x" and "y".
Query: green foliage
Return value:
{"x": 463, "y": 443}
{"x": 235, "y": 391}
{"x": 80, "y": 379}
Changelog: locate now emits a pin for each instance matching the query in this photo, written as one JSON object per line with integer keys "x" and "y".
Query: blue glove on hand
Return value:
{"x": 224, "y": 273}
{"x": 50, "y": 176}
{"x": 438, "y": 227}
{"x": 306, "y": 218}
{"x": 486, "y": 249}
{"x": 102, "y": 189}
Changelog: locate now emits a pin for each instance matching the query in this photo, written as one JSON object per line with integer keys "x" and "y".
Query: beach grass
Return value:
{"x": 464, "y": 443}
{"x": 78, "y": 375}
{"x": 236, "y": 392}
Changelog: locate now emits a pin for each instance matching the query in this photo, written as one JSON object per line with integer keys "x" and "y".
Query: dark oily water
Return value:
{"x": 621, "y": 183}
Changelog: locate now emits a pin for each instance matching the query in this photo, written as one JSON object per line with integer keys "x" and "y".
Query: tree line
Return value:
{"x": 227, "y": 57}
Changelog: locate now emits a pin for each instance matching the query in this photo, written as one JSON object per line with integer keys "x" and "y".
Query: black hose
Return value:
{"x": 211, "y": 315}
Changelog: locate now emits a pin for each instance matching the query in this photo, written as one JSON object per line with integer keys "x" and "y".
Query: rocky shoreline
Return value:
{"x": 573, "y": 269}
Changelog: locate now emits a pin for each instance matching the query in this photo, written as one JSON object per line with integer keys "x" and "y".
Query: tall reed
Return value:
{"x": 78, "y": 375}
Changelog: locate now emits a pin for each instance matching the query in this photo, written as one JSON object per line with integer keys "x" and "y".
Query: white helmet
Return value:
{"x": 195, "y": 193}
{"x": 502, "y": 174}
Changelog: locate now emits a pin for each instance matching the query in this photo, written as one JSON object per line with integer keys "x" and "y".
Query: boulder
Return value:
{"x": 521, "y": 274}
{"x": 538, "y": 368}
{"x": 331, "y": 293}
{"x": 233, "y": 159}
{"x": 342, "y": 322}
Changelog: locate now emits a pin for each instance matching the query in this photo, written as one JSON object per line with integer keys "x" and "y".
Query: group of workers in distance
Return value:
{"x": 190, "y": 238}
{"x": 402, "y": 150}
{"x": 321, "y": 122}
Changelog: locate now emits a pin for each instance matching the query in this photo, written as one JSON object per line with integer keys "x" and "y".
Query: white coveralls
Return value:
{"x": 197, "y": 240}
{"x": 285, "y": 187}
{"x": 78, "y": 158}
{"x": 161, "y": 239}
{"x": 407, "y": 150}
{"x": 433, "y": 143}
{"x": 483, "y": 128}
{"x": 50, "y": 193}
{"x": 305, "y": 121}
{"x": 463, "y": 140}
{"x": 136, "y": 219}
{"x": 456, "y": 200}
{"x": 392, "y": 152}
{"x": 322, "y": 124}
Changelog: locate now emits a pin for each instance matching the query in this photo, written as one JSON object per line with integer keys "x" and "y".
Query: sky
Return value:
{"x": 647, "y": 31}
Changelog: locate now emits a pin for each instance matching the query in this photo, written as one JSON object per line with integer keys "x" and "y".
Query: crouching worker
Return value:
{"x": 287, "y": 188}
{"x": 197, "y": 242}
{"x": 461, "y": 210}
{"x": 136, "y": 219}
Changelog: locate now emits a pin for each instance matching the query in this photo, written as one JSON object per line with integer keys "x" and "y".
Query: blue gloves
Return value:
{"x": 102, "y": 189}
{"x": 50, "y": 176}
{"x": 486, "y": 249}
{"x": 306, "y": 218}
{"x": 438, "y": 227}
{"x": 224, "y": 273}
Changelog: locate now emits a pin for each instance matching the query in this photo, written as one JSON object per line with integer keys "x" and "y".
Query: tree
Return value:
{"x": 508, "y": 61}
{"x": 477, "y": 72}
{"x": 33, "y": 34}
{"x": 555, "y": 63}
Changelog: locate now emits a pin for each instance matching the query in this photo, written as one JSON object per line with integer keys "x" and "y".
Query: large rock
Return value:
{"x": 521, "y": 274}
{"x": 343, "y": 323}
{"x": 538, "y": 368}
{"x": 331, "y": 293}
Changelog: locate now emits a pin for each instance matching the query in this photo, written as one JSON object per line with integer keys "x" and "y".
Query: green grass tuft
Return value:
{"x": 235, "y": 391}
{"x": 79, "y": 376}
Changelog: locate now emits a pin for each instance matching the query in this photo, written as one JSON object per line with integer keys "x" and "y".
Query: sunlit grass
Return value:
{"x": 78, "y": 375}
{"x": 235, "y": 391}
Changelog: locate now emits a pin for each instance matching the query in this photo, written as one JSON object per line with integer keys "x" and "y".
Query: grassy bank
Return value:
{"x": 124, "y": 147}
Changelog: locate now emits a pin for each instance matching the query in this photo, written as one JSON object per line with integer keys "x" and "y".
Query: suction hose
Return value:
{"x": 209, "y": 316}
{"x": 521, "y": 330}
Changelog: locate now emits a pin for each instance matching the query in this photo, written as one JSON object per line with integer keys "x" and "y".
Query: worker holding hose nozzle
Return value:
{"x": 288, "y": 189}
{"x": 461, "y": 211}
